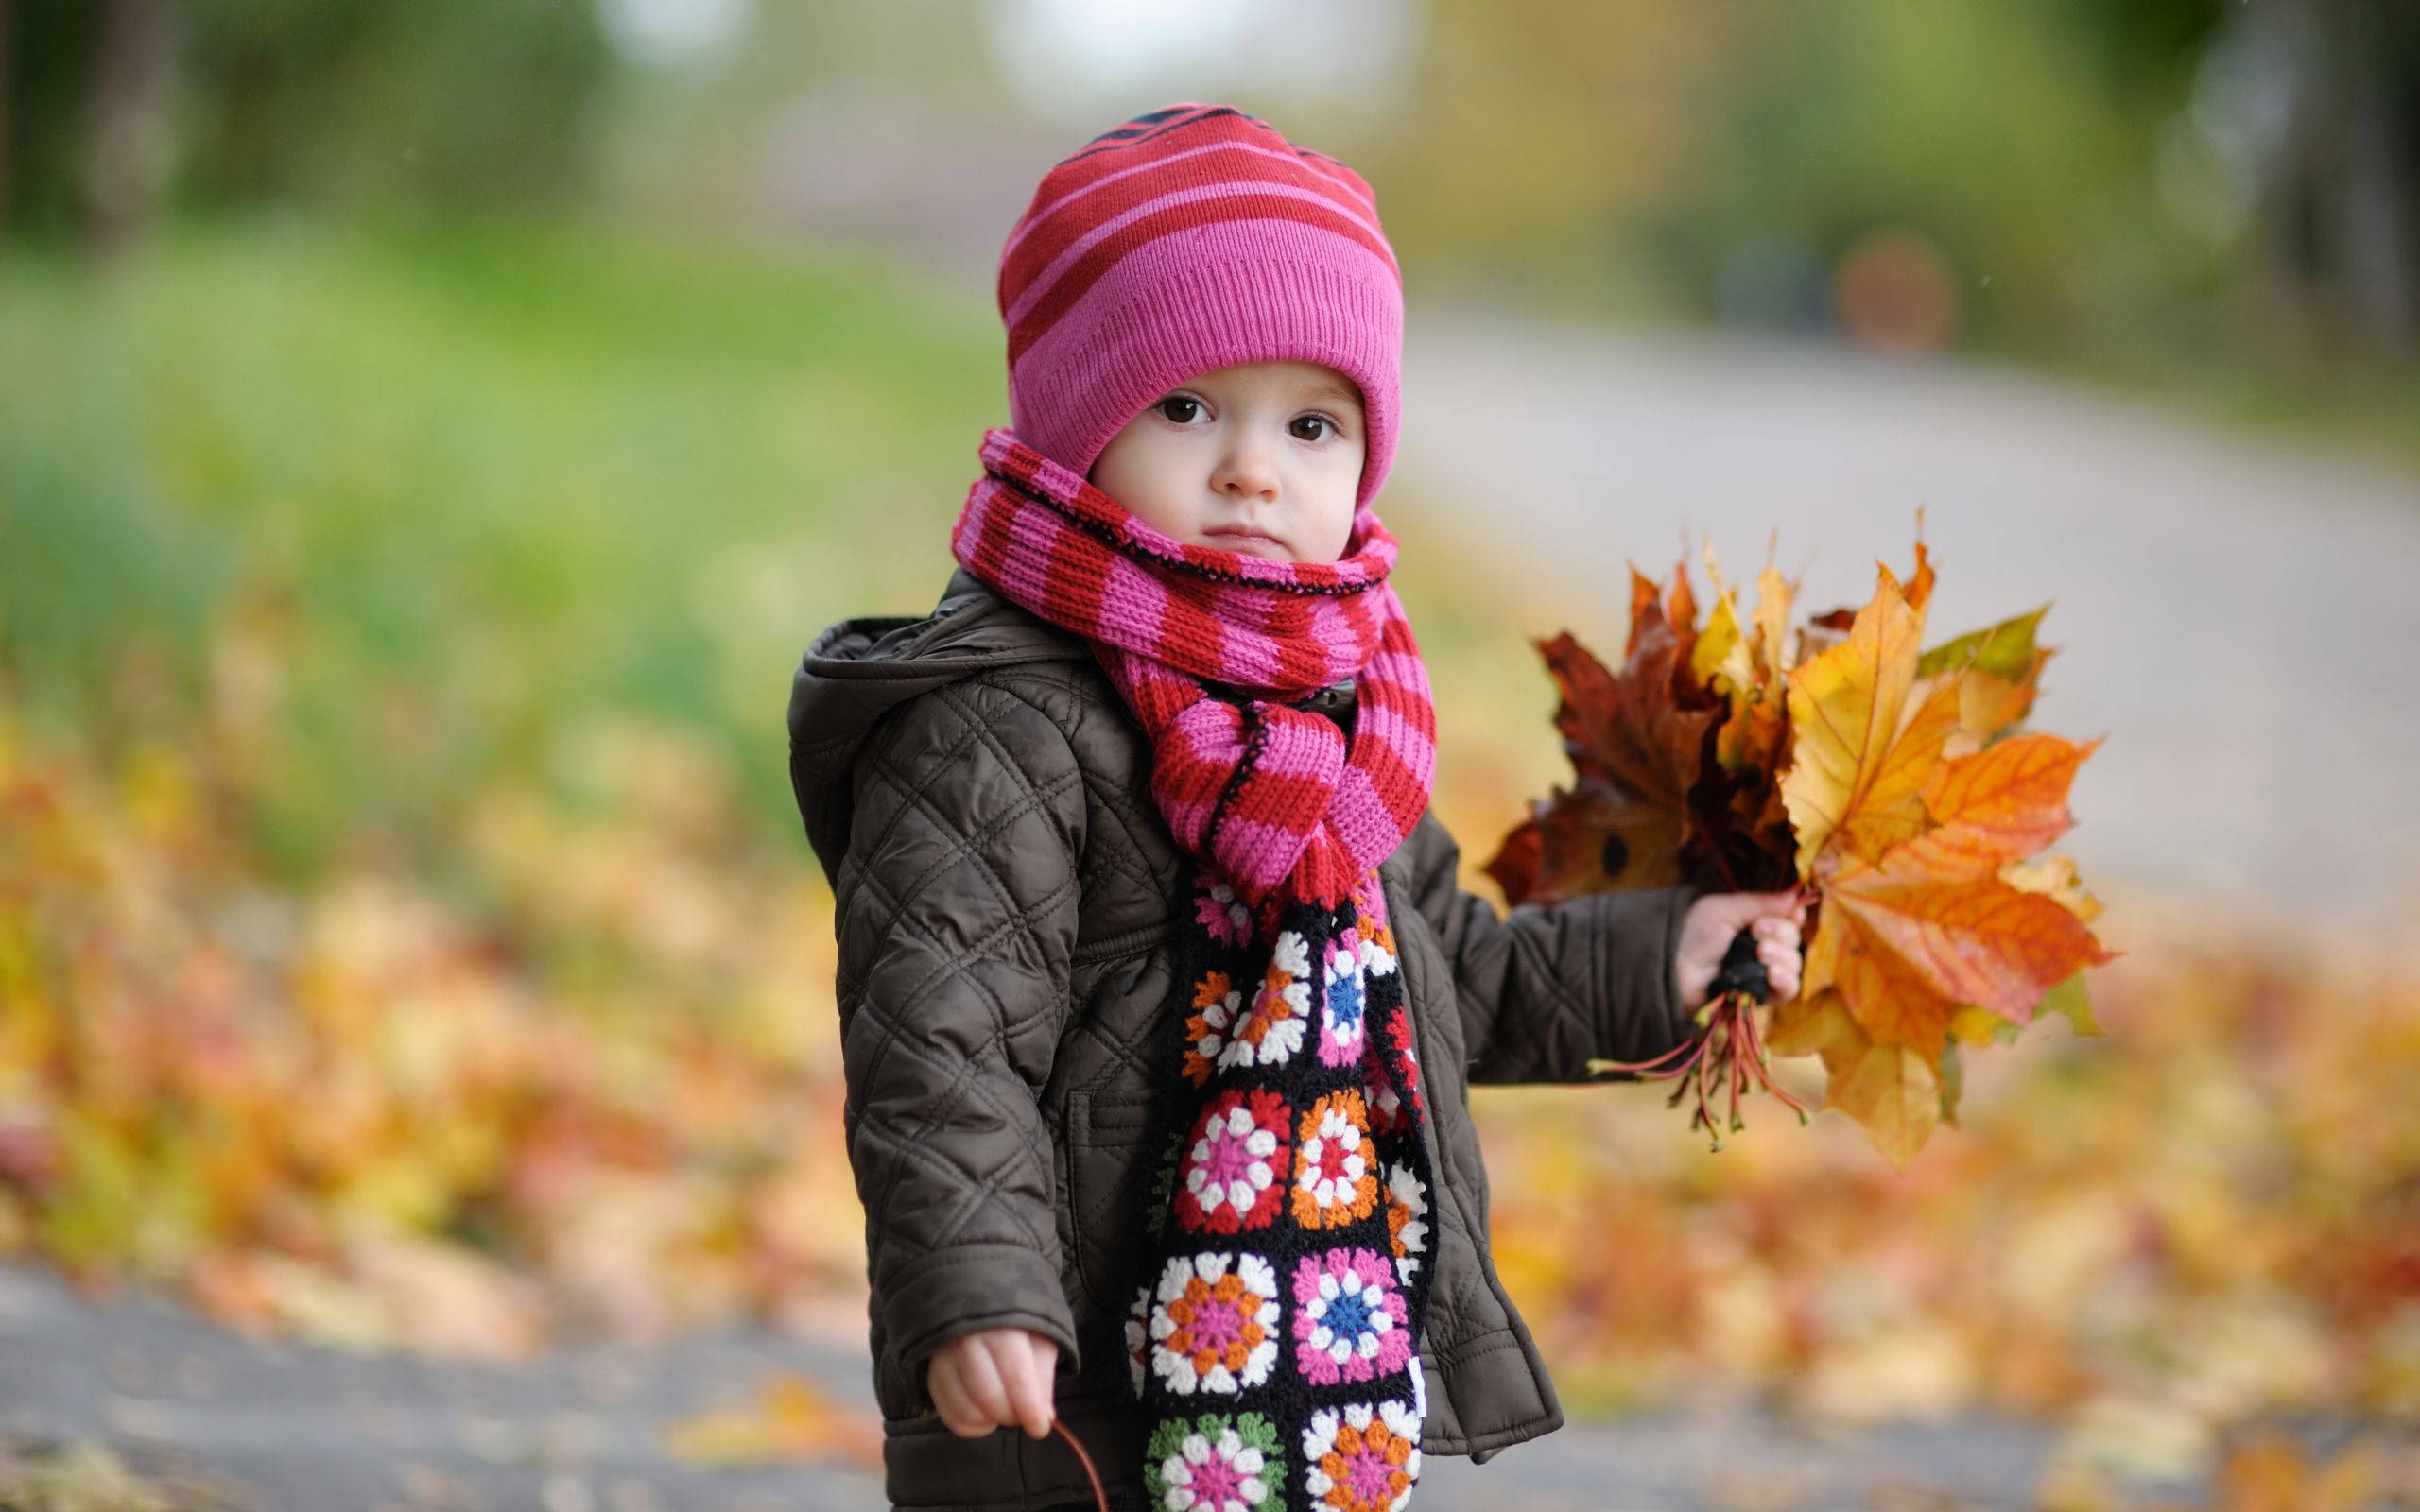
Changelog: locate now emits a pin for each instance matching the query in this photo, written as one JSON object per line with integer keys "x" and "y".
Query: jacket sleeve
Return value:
{"x": 956, "y": 909}
{"x": 1545, "y": 989}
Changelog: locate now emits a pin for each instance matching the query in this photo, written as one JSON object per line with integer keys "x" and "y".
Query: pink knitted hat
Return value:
{"x": 1191, "y": 238}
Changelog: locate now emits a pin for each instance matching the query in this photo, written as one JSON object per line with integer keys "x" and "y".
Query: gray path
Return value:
{"x": 2239, "y": 617}
{"x": 311, "y": 1430}
{"x": 300, "y": 1428}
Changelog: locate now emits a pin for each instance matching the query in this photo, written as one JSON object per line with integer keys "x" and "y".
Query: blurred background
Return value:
{"x": 430, "y": 432}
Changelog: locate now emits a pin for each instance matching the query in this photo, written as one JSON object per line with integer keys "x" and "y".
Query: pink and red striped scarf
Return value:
{"x": 1275, "y": 799}
{"x": 1281, "y": 1269}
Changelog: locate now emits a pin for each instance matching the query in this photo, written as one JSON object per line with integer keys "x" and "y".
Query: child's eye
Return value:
{"x": 1180, "y": 408}
{"x": 1315, "y": 421}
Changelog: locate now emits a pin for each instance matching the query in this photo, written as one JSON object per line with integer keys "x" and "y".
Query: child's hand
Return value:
{"x": 997, "y": 1378}
{"x": 1707, "y": 931}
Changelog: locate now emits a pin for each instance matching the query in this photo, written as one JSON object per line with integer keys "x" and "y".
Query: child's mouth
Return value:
{"x": 1247, "y": 542}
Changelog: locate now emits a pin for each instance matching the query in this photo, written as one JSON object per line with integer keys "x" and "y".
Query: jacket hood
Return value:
{"x": 859, "y": 669}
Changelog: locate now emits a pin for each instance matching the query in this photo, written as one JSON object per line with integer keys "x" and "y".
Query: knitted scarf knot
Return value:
{"x": 1281, "y": 1278}
{"x": 1273, "y": 798}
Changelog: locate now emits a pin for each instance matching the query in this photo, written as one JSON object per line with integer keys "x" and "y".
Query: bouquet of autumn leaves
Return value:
{"x": 1896, "y": 784}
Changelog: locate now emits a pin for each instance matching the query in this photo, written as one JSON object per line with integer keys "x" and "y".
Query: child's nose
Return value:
{"x": 1246, "y": 467}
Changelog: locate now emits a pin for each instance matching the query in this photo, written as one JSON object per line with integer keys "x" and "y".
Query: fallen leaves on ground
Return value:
{"x": 86, "y": 1475}
{"x": 788, "y": 1418}
{"x": 588, "y": 1086}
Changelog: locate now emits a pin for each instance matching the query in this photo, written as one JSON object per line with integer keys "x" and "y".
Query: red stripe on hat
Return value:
{"x": 1235, "y": 160}
{"x": 1097, "y": 262}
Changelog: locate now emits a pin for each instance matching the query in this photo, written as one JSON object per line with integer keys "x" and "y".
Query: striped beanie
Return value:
{"x": 1192, "y": 238}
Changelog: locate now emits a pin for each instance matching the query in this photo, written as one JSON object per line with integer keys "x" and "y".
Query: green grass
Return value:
{"x": 467, "y": 484}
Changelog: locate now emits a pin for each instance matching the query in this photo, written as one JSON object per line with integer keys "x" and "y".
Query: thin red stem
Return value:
{"x": 1709, "y": 1071}
{"x": 1100, "y": 1498}
{"x": 1691, "y": 1047}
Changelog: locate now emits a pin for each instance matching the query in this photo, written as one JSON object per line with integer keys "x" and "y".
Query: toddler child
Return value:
{"x": 1158, "y": 995}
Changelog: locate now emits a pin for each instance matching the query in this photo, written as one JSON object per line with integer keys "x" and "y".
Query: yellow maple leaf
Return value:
{"x": 1891, "y": 1091}
{"x": 1847, "y": 778}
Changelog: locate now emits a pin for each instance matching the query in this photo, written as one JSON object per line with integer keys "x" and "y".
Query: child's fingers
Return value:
{"x": 1043, "y": 1356}
{"x": 1746, "y": 910}
{"x": 983, "y": 1387}
{"x": 1026, "y": 1383}
{"x": 1771, "y": 919}
{"x": 1784, "y": 981}
{"x": 1781, "y": 969}
{"x": 964, "y": 1416}
{"x": 945, "y": 1384}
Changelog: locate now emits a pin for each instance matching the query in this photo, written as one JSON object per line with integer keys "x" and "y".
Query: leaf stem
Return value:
{"x": 1725, "y": 1059}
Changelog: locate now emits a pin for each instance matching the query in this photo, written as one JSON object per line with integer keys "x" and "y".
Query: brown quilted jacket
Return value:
{"x": 981, "y": 800}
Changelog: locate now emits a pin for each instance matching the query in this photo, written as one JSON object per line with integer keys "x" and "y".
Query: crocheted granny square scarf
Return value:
{"x": 1281, "y": 1276}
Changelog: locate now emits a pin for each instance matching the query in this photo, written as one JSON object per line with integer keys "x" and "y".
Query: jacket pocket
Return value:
{"x": 1107, "y": 1168}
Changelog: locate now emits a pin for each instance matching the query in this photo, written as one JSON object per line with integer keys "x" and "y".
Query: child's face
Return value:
{"x": 1263, "y": 459}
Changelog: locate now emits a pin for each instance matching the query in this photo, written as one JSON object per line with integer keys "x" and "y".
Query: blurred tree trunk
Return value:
{"x": 2364, "y": 172}
{"x": 2383, "y": 239}
{"x": 130, "y": 123}
{"x": 2343, "y": 207}
{"x": 5, "y": 102}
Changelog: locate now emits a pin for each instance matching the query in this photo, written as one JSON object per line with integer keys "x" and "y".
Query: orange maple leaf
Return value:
{"x": 1998, "y": 805}
{"x": 1909, "y": 945}
{"x": 1865, "y": 736}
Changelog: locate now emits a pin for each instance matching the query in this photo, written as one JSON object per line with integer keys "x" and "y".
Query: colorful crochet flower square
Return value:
{"x": 1369, "y": 904}
{"x": 1342, "y": 1004}
{"x": 1214, "y": 1323}
{"x": 1406, "y": 1220}
{"x": 1215, "y": 1463}
{"x": 1361, "y": 1457}
{"x": 1349, "y": 1318}
{"x": 1219, "y": 911}
{"x": 1378, "y": 951}
{"x": 1273, "y": 1031}
{"x": 1215, "y": 1006}
{"x": 1386, "y": 1115}
{"x": 1234, "y": 1174}
{"x": 1138, "y": 1338}
{"x": 1336, "y": 1165}
{"x": 1399, "y": 1036}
